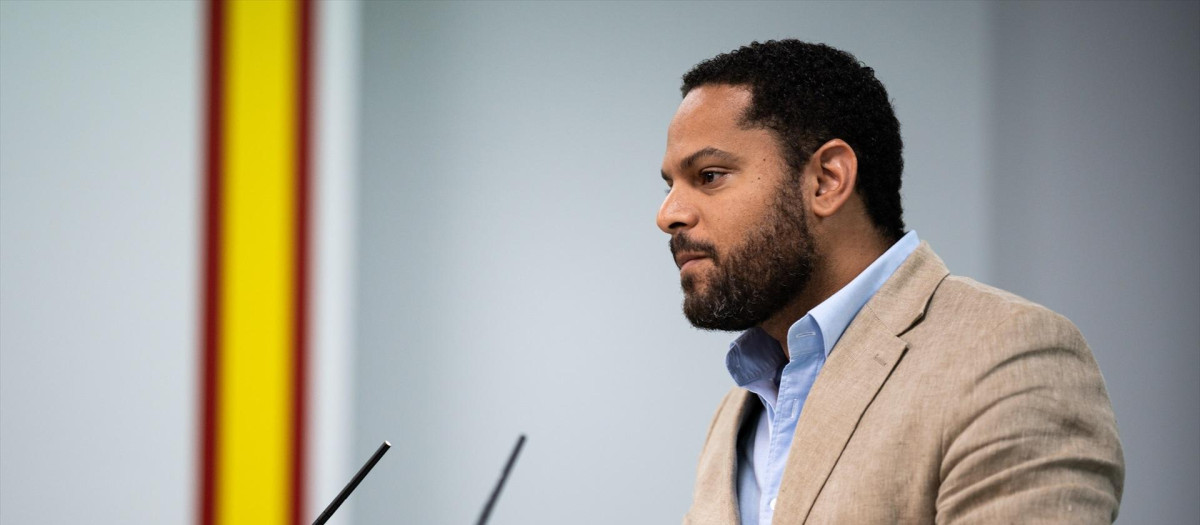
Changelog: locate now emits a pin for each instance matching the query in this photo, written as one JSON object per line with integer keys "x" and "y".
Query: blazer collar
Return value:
{"x": 862, "y": 360}
{"x": 902, "y": 300}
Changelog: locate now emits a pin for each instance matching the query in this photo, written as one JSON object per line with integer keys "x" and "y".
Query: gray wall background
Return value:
{"x": 1095, "y": 175}
{"x": 511, "y": 278}
{"x": 99, "y": 131}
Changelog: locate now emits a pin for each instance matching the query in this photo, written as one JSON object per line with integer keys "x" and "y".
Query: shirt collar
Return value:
{"x": 755, "y": 356}
{"x": 834, "y": 314}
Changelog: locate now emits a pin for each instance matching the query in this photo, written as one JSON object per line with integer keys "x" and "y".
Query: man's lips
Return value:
{"x": 682, "y": 259}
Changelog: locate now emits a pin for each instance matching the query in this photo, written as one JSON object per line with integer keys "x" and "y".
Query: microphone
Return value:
{"x": 370, "y": 464}
{"x": 487, "y": 509}
{"x": 345, "y": 493}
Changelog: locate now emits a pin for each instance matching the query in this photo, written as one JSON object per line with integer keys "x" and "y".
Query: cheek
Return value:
{"x": 733, "y": 220}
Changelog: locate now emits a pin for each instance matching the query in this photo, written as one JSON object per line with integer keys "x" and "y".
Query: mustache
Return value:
{"x": 682, "y": 243}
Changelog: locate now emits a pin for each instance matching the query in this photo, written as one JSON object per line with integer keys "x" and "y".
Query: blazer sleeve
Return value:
{"x": 1032, "y": 437}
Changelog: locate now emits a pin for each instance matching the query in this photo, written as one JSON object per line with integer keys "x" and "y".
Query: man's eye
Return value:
{"x": 709, "y": 177}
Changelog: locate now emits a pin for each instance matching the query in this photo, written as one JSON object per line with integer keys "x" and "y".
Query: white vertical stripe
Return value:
{"x": 336, "y": 173}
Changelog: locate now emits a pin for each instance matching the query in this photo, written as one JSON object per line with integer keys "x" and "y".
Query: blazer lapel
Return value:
{"x": 858, "y": 366}
{"x": 715, "y": 498}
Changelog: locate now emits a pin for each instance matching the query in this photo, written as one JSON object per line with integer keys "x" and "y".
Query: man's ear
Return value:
{"x": 835, "y": 168}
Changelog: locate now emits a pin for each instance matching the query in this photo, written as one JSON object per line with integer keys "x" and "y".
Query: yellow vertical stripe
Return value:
{"x": 255, "y": 418}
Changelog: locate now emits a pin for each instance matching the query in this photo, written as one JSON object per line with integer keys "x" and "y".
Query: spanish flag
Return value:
{"x": 255, "y": 265}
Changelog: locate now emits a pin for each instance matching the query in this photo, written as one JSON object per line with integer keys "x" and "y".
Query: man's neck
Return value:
{"x": 834, "y": 269}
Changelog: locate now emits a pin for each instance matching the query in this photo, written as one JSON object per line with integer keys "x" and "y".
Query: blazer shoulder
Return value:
{"x": 1026, "y": 406}
{"x": 965, "y": 291}
{"x": 972, "y": 309}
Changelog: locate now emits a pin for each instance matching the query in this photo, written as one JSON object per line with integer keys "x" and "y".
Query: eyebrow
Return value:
{"x": 710, "y": 151}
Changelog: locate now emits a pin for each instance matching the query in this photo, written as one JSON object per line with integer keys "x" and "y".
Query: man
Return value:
{"x": 872, "y": 386}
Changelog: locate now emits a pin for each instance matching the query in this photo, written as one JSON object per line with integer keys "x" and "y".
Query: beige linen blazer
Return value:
{"x": 945, "y": 401}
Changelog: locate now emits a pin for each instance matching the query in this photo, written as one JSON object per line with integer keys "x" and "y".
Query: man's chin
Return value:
{"x": 706, "y": 313}
{"x": 705, "y": 319}
{"x": 694, "y": 286}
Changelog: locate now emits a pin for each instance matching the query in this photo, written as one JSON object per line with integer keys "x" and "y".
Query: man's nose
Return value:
{"x": 676, "y": 213}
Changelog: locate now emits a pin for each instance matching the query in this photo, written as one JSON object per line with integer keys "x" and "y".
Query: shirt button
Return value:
{"x": 772, "y": 504}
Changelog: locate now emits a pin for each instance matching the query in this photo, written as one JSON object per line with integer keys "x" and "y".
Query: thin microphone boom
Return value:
{"x": 345, "y": 493}
{"x": 366, "y": 468}
{"x": 487, "y": 509}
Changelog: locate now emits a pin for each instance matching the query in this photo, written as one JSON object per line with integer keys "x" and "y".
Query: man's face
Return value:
{"x": 735, "y": 213}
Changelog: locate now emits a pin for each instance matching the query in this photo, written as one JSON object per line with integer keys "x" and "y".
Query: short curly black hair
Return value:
{"x": 809, "y": 94}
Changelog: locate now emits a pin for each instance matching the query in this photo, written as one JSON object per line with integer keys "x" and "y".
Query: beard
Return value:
{"x": 756, "y": 279}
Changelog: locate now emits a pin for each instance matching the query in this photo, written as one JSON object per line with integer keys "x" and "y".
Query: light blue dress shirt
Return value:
{"x": 759, "y": 365}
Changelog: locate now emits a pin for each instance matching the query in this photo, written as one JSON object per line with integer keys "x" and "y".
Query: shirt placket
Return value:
{"x": 808, "y": 356}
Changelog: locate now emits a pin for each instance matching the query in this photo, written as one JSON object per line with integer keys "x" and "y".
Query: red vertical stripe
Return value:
{"x": 211, "y": 264}
{"x": 301, "y": 289}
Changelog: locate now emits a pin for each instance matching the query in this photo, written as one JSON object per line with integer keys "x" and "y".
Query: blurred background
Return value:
{"x": 484, "y": 259}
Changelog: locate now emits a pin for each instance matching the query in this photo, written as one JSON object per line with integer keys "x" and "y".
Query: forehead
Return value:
{"x": 711, "y": 116}
{"x": 710, "y": 106}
